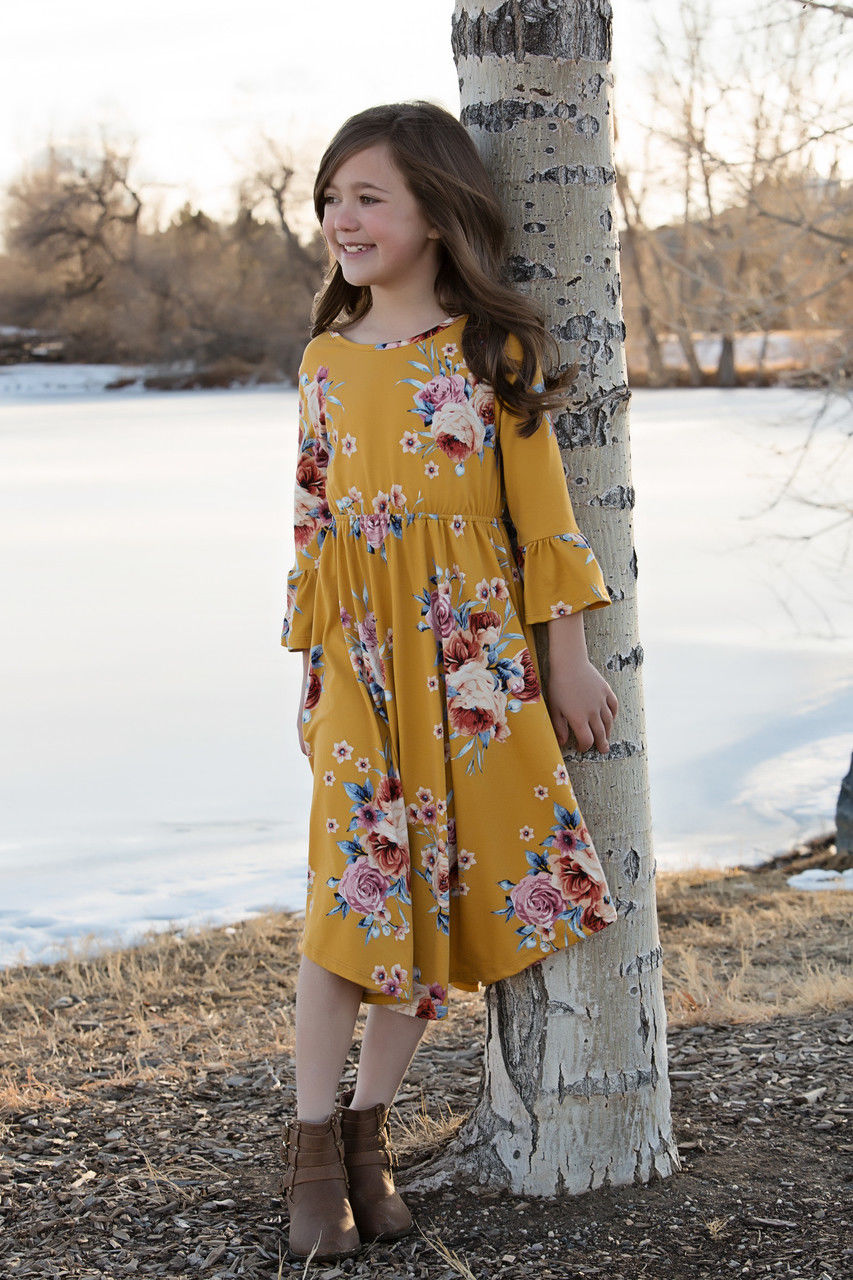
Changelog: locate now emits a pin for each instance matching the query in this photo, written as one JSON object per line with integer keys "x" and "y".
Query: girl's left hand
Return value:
{"x": 579, "y": 698}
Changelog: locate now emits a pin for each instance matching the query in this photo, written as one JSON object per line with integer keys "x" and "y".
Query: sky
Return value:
{"x": 196, "y": 84}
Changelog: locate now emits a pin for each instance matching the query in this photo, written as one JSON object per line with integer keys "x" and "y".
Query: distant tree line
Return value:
{"x": 747, "y": 133}
{"x": 83, "y": 263}
{"x": 748, "y": 130}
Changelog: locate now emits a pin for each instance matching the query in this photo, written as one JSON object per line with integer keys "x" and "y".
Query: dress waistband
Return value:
{"x": 405, "y": 513}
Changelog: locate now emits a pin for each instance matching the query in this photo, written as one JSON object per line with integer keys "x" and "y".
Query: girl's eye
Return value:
{"x": 370, "y": 199}
{"x": 328, "y": 200}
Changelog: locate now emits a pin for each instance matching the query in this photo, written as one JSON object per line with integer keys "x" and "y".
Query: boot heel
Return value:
{"x": 378, "y": 1209}
{"x": 314, "y": 1184}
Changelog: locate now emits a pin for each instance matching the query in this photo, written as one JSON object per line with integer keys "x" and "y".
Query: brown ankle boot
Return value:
{"x": 315, "y": 1187}
{"x": 379, "y": 1212}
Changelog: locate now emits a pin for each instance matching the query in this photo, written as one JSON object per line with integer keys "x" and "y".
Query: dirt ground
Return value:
{"x": 142, "y": 1095}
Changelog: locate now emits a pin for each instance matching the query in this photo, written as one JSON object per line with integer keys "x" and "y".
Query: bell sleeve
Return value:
{"x": 311, "y": 518}
{"x": 560, "y": 573}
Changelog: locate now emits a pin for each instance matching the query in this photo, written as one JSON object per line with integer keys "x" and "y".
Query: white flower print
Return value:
{"x": 560, "y": 609}
{"x": 438, "y": 731}
{"x": 355, "y": 493}
{"x": 458, "y": 525}
{"x": 362, "y": 764}
{"x": 398, "y": 498}
{"x": 348, "y": 445}
{"x": 331, "y": 825}
{"x": 342, "y": 751}
{"x": 541, "y": 793}
{"x": 431, "y": 470}
{"x": 465, "y": 859}
{"x": 432, "y": 683}
{"x": 329, "y": 778}
{"x": 482, "y": 590}
{"x": 409, "y": 442}
{"x": 499, "y": 589}
{"x": 561, "y": 775}
{"x": 526, "y": 833}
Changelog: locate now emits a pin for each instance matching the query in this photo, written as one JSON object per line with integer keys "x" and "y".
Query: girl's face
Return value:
{"x": 375, "y": 228}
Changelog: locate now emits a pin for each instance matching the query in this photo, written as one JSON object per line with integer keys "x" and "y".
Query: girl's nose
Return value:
{"x": 346, "y": 217}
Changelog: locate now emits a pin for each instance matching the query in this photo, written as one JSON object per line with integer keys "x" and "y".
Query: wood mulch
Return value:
{"x": 140, "y": 1135}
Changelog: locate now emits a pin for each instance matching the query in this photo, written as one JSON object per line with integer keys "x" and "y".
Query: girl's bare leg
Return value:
{"x": 326, "y": 1010}
{"x": 387, "y": 1047}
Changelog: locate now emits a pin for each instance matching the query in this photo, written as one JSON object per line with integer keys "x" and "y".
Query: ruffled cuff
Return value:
{"x": 561, "y": 576}
{"x": 296, "y": 631}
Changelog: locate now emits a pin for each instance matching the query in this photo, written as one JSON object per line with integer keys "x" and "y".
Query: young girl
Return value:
{"x": 433, "y": 528}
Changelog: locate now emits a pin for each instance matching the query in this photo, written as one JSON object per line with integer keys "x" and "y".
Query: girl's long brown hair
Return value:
{"x": 444, "y": 172}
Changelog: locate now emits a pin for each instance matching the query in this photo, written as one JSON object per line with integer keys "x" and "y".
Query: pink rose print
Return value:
{"x": 440, "y": 614}
{"x": 536, "y": 901}
{"x": 363, "y": 887}
{"x": 443, "y": 390}
{"x": 367, "y": 631}
{"x": 376, "y": 529}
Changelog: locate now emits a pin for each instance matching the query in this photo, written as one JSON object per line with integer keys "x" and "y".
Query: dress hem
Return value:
{"x": 461, "y": 984}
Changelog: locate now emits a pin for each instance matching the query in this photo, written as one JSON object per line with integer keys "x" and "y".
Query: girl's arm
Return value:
{"x": 306, "y": 663}
{"x": 578, "y": 697}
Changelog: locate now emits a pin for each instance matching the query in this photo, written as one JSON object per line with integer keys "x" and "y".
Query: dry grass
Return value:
{"x": 170, "y": 1007}
{"x": 741, "y": 946}
{"x": 423, "y": 1131}
{"x": 738, "y": 947}
{"x": 450, "y": 1256}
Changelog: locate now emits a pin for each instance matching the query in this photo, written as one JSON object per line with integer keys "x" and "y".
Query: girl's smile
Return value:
{"x": 375, "y": 228}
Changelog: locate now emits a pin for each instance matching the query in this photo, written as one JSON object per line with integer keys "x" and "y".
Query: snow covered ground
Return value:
{"x": 148, "y": 765}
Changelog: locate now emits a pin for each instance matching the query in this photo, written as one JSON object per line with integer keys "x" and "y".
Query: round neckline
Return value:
{"x": 396, "y": 343}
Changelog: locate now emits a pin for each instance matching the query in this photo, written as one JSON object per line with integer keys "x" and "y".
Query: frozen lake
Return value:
{"x": 150, "y": 772}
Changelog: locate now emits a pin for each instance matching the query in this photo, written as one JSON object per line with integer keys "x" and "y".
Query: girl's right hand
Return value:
{"x": 306, "y": 663}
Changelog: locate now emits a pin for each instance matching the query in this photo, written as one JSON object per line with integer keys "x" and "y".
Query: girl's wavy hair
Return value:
{"x": 444, "y": 172}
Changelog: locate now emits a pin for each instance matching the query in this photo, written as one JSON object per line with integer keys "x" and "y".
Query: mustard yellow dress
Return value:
{"x": 445, "y": 843}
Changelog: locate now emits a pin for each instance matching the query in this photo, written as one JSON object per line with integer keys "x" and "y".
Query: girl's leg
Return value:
{"x": 387, "y": 1047}
{"x": 326, "y": 1010}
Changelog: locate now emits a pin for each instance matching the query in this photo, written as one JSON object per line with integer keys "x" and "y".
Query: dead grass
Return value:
{"x": 423, "y": 1131}
{"x": 738, "y": 947}
{"x": 170, "y": 1007}
{"x": 450, "y": 1256}
{"x": 742, "y": 946}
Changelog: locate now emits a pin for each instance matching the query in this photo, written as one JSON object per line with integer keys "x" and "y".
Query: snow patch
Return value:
{"x": 821, "y": 878}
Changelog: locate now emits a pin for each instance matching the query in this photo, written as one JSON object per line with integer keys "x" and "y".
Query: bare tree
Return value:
{"x": 751, "y": 131}
{"x": 576, "y": 1092}
{"x": 82, "y": 213}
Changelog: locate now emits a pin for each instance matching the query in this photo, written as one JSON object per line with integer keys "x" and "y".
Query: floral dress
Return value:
{"x": 445, "y": 843}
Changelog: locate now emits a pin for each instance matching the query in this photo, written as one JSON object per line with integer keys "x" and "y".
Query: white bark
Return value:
{"x": 576, "y": 1093}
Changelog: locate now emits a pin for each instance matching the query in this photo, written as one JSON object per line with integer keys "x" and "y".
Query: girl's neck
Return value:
{"x": 394, "y": 319}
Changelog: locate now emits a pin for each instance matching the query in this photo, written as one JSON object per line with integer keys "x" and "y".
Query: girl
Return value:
{"x": 433, "y": 528}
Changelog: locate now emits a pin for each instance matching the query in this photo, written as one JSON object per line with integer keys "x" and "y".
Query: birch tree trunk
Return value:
{"x": 576, "y": 1093}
